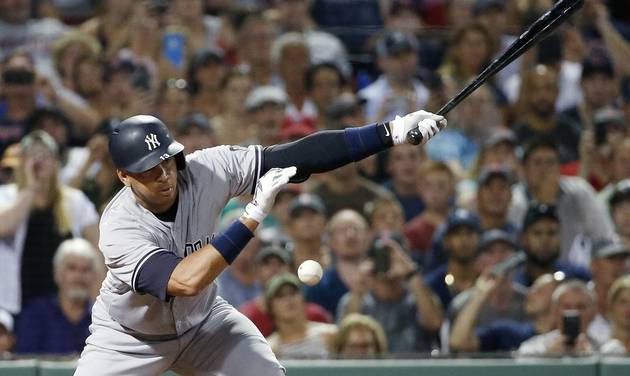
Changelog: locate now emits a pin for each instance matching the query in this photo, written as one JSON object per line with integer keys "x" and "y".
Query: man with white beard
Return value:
{"x": 58, "y": 323}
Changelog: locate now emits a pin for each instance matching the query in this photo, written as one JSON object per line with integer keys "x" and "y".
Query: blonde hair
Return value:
{"x": 357, "y": 320}
{"x": 55, "y": 195}
{"x": 620, "y": 284}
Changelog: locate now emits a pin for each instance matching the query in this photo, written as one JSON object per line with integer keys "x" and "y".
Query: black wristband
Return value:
{"x": 384, "y": 132}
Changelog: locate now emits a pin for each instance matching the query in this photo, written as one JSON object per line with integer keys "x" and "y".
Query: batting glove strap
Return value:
{"x": 428, "y": 128}
{"x": 254, "y": 212}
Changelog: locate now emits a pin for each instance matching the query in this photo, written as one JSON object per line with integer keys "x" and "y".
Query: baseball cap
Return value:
{"x": 265, "y": 94}
{"x": 398, "y": 6}
{"x": 206, "y": 56}
{"x": 488, "y": 173}
{"x": 393, "y": 43}
{"x": 195, "y": 119}
{"x": 608, "y": 248}
{"x": 481, "y": 6}
{"x": 279, "y": 281}
{"x": 493, "y": 236}
{"x": 306, "y": 201}
{"x": 597, "y": 63}
{"x": 6, "y": 320}
{"x": 538, "y": 212}
{"x": 273, "y": 250}
{"x": 462, "y": 217}
{"x": 500, "y": 137}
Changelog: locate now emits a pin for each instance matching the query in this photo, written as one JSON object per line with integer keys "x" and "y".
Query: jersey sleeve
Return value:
{"x": 134, "y": 257}
{"x": 240, "y": 167}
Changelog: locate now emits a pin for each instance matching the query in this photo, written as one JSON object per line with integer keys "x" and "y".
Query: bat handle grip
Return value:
{"x": 414, "y": 136}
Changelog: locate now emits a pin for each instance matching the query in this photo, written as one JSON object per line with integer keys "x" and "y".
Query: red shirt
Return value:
{"x": 264, "y": 322}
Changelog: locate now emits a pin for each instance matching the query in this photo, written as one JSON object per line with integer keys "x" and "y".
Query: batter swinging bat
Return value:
{"x": 538, "y": 30}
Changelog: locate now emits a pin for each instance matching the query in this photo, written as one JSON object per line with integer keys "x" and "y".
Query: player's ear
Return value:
{"x": 123, "y": 176}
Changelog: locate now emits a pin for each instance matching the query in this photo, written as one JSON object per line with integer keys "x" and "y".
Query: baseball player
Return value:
{"x": 158, "y": 309}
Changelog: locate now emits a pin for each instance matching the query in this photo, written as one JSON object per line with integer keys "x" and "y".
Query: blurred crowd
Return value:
{"x": 507, "y": 232}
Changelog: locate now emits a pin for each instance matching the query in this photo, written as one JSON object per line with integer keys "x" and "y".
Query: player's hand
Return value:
{"x": 428, "y": 124}
{"x": 266, "y": 190}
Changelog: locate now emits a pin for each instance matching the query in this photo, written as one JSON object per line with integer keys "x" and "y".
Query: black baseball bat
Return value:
{"x": 536, "y": 31}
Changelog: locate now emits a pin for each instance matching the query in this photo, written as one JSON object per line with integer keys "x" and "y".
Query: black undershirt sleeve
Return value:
{"x": 327, "y": 150}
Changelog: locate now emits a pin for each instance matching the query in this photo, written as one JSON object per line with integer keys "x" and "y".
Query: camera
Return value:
{"x": 379, "y": 253}
{"x": 18, "y": 77}
{"x": 571, "y": 326}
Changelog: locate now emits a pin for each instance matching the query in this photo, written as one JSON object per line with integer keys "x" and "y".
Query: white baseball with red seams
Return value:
{"x": 310, "y": 272}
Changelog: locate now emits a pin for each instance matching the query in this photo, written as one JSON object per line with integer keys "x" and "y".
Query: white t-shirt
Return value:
{"x": 82, "y": 214}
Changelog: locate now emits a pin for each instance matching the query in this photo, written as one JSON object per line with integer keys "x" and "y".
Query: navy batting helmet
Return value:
{"x": 141, "y": 142}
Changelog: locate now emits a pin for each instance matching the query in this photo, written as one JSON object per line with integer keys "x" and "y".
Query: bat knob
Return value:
{"x": 414, "y": 137}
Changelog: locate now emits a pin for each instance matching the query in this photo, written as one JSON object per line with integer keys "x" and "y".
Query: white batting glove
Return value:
{"x": 267, "y": 188}
{"x": 428, "y": 123}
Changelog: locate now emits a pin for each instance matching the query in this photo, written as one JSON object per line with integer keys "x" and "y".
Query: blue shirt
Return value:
{"x": 504, "y": 335}
{"x": 412, "y": 205}
{"x": 235, "y": 292}
{"x": 570, "y": 271}
{"x": 328, "y": 291}
{"x": 42, "y": 328}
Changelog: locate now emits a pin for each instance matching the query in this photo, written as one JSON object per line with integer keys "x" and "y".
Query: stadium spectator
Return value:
{"x": 507, "y": 300}
{"x": 396, "y": 91}
{"x": 58, "y": 323}
{"x": 20, "y": 31}
{"x": 290, "y": 60}
{"x": 68, "y": 50}
{"x": 255, "y": 36}
{"x": 349, "y": 242}
{"x": 266, "y": 105}
{"x": 460, "y": 240}
{"x": 391, "y": 289}
{"x": 609, "y": 261}
{"x": 359, "y": 336}
{"x": 111, "y": 26}
{"x": 239, "y": 283}
{"x": 172, "y": 102}
{"x": 195, "y": 132}
{"x": 344, "y": 188}
{"x": 619, "y": 168}
{"x": 537, "y": 117}
{"x": 271, "y": 261}
{"x": 295, "y": 336}
{"x": 619, "y": 313}
{"x": 385, "y": 214}
{"x": 501, "y": 334}
{"x": 203, "y": 30}
{"x": 494, "y": 196}
{"x": 540, "y": 239}
{"x": 582, "y": 215}
{"x": 403, "y": 166}
{"x": 436, "y": 186}
{"x": 324, "y": 83}
{"x": 232, "y": 125}
{"x": 306, "y": 227}
{"x": 38, "y": 213}
{"x": 294, "y": 16}
{"x": 571, "y": 295}
{"x": 205, "y": 73}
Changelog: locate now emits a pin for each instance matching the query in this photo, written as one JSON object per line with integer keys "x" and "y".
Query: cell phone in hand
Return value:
{"x": 505, "y": 266}
{"x": 174, "y": 48}
{"x": 380, "y": 255}
{"x": 571, "y": 326}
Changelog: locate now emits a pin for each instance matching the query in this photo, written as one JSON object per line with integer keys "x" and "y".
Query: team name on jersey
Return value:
{"x": 197, "y": 245}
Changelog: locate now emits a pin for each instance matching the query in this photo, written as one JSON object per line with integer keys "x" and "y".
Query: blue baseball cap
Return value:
{"x": 462, "y": 217}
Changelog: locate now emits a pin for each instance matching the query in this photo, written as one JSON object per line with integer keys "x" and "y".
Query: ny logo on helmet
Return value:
{"x": 151, "y": 141}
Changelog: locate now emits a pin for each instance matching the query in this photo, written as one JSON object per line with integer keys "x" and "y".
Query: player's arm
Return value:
{"x": 327, "y": 150}
{"x": 192, "y": 274}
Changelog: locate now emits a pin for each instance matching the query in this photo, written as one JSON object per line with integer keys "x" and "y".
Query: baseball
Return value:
{"x": 310, "y": 272}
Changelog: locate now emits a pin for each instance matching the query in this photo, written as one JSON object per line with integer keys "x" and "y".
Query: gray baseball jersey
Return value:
{"x": 130, "y": 235}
